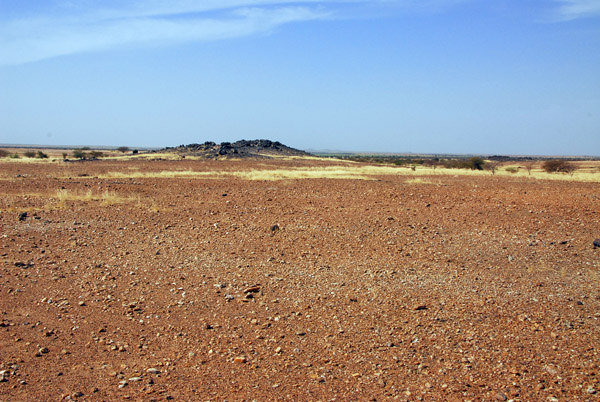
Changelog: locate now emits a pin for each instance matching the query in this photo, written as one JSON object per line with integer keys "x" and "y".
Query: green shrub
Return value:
{"x": 79, "y": 154}
{"x": 29, "y": 154}
{"x": 41, "y": 155}
{"x": 512, "y": 169}
{"x": 476, "y": 163}
{"x": 4, "y": 153}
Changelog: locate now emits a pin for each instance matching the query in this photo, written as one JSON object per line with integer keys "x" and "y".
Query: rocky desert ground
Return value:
{"x": 180, "y": 280}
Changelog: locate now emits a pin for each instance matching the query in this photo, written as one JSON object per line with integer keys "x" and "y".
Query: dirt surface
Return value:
{"x": 211, "y": 289}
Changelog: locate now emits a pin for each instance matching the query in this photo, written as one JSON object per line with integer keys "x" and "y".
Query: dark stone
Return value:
{"x": 597, "y": 243}
{"x": 22, "y": 216}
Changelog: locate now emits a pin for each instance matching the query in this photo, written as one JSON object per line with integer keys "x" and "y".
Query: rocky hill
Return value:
{"x": 238, "y": 149}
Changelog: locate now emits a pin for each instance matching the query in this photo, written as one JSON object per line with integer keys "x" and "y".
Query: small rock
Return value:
{"x": 500, "y": 396}
{"x": 420, "y": 307}
{"x": 153, "y": 370}
{"x": 77, "y": 394}
{"x": 229, "y": 297}
{"x": 591, "y": 390}
{"x": 135, "y": 379}
{"x": 4, "y": 374}
{"x": 123, "y": 384}
{"x": 43, "y": 350}
{"x": 22, "y": 216}
{"x": 597, "y": 243}
{"x": 240, "y": 359}
{"x": 252, "y": 289}
{"x": 274, "y": 228}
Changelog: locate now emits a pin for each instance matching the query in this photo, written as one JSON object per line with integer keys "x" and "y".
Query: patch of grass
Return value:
{"x": 419, "y": 180}
{"x": 355, "y": 172}
{"x": 106, "y": 198}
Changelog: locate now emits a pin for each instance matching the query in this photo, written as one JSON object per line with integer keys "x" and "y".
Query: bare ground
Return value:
{"x": 458, "y": 288}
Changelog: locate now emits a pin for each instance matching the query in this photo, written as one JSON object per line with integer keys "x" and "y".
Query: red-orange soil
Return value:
{"x": 472, "y": 289}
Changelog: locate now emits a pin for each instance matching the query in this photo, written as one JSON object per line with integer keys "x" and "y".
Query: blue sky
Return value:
{"x": 429, "y": 76}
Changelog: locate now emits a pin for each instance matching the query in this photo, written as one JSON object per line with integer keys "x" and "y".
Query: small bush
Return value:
{"x": 476, "y": 163}
{"x": 512, "y": 169}
{"x": 41, "y": 155}
{"x": 64, "y": 155}
{"x": 79, "y": 154}
{"x": 14, "y": 156}
{"x": 492, "y": 167}
{"x": 29, "y": 154}
{"x": 123, "y": 149}
{"x": 558, "y": 166}
{"x": 96, "y": 154}
{"x": 4, "y": 153}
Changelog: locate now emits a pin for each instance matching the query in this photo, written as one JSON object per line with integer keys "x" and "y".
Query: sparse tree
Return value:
{"x": 559, "y": 166}
{"x": 29, "y": 154}
{"x": 528, "y": 167}
{"x": 96, "y": 154}
{"x": 123, "y": 149}
{"x": 492, "y": 167}
{"x": 79, "y": 154}
{"x": 4, "y": 153}
{"x": 64, "y": 155}
{"x": 476, "y": 163}
{"x": 41, "y": 155}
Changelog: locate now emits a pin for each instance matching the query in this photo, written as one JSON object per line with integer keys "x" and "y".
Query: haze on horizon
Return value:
{"x": 430, "y": 76}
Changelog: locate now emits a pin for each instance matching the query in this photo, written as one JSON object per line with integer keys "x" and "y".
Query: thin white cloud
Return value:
{"x": 574, "y": 9}
{"x": 65, "y": 28}
{"x": 37, "y": 38}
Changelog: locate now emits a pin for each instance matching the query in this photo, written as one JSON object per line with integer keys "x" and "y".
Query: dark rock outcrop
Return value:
{"x": 238, "y": 149}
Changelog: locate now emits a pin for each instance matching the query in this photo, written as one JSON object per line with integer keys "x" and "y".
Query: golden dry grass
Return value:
{"x": 419, "y": 180}
{"x": 348, "y": 171}
{"x": 61, "y": 198}
{"x": 105, "y": 198}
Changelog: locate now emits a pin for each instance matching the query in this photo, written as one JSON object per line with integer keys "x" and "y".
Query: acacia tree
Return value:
{"x": 123, "y": 149}
{"x": 492, "y": 167}
{"x": 79, "y": 154}
{"x": 476, "y": 163}
{"x": 559, "y": 166}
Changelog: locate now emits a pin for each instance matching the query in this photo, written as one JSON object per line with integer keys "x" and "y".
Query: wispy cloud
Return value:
{"x": 574, "y": 9}
{"x": 35, "y": 38}
{"x": 66, "y": 27}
